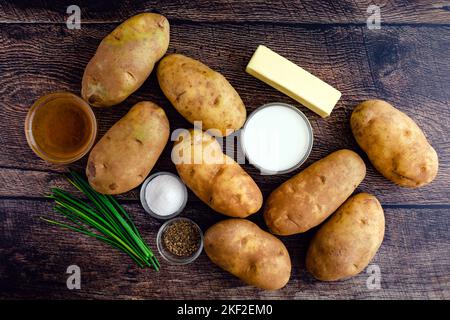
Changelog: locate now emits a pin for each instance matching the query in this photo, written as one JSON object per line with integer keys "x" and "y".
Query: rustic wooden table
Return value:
{"x": 406, "y": 62}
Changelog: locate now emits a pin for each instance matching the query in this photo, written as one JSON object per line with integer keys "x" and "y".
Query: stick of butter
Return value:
{"x": 287, "y": 77}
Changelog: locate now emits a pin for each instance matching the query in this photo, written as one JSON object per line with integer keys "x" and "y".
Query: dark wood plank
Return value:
{"x": 24, "y": 184}
{"x": 404, "y": 64}
{"x": 413, "y": 260}
{"x": 278, "y": 11}
{"x": 407, "y": 66}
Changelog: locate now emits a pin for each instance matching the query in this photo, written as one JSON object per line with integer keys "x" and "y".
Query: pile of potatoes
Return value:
{"x": 125, "y": 155}
{"x": 342, "y": 247}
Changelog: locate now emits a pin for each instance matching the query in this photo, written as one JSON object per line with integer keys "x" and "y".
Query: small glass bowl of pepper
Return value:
{"x": 180, "y": 241}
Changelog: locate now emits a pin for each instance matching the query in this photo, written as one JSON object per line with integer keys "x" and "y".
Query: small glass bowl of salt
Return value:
{"x": 163, "y": 195}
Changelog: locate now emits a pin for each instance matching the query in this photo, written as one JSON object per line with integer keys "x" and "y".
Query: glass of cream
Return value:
{"x": 277, "y": 138}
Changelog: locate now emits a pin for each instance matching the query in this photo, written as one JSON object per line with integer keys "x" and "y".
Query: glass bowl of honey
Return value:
{"x": 60, "y": 127}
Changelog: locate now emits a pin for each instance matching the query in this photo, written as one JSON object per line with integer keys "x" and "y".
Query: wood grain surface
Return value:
{"x": 406, "y": 62}
{"x": 257, "y": 11}
{"x": 36, "y": 257}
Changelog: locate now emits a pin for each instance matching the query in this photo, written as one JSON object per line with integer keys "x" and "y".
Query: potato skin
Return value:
{"x": 124, "y": 59}
{"x": 127, "y": 152}
{"x": 307, "y": 199}
{"x": 201, "y": 94}
{"x": 394, "y": 143}
{"x": 347, "y": 243}
{"x": 248, "y": 252}
{"x": 214, "y": 177}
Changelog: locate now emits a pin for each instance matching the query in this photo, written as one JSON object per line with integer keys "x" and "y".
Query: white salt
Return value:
{"x": 164, "y": 194}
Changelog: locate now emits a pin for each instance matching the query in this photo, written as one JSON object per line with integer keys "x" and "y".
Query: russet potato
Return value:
{"x": 124, "y": 59}
{"x": 307, "y": 199}
{"x": 348, "y": 241}
{"x": 394, "y": 143}
{"x": 256, "y": 257}
{"x": 127, "y": 152}
{"x": 201, "y": 94}
{"x": 214, "y": 177}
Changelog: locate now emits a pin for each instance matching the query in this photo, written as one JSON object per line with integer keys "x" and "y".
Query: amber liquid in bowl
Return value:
{"x": 60, "y": 128}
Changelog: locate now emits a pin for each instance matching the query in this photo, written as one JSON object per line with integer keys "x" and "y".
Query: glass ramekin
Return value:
{"x": 168, "y": 256}
{"x": 42, "y": 101}
{"x": 144, "y": 202}
{"x": 310, "y": 142}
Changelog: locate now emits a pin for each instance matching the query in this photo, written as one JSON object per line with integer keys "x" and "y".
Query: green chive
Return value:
{"x": 111, "y": 223}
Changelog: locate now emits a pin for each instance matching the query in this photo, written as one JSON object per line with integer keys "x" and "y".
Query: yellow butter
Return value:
{"x": 287, "y": 77}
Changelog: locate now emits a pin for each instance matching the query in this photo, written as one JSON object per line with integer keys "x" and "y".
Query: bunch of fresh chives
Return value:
{"x": 106, "y": 216}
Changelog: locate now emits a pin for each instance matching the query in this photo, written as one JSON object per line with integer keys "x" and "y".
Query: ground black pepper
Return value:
{"x": 181, "y": 238}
